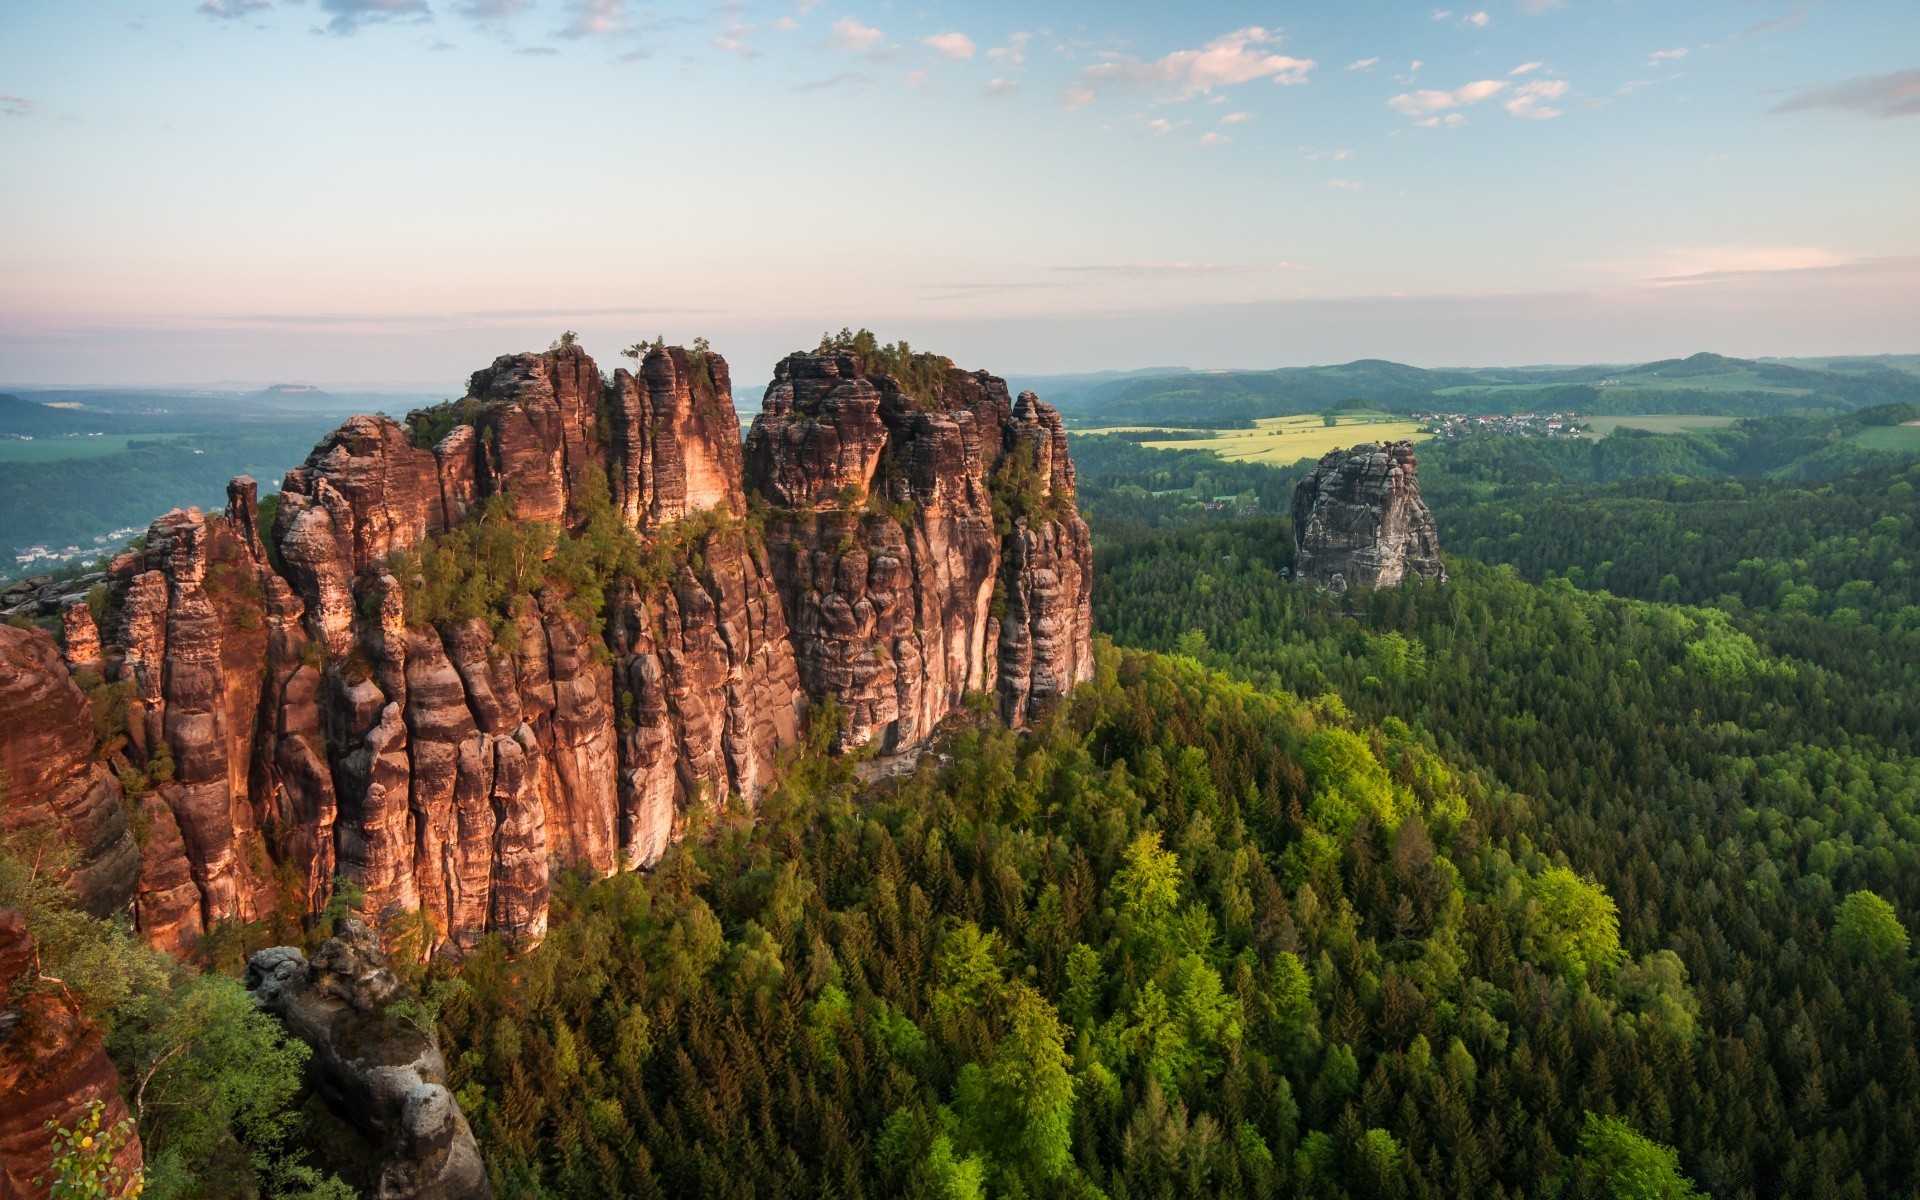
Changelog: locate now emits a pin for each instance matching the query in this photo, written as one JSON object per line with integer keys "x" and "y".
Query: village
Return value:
{"x": 1547, "y": 425}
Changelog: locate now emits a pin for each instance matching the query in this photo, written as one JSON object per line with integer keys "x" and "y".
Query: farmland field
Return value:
{"x": 1655, "y": 423}
{"x": 56, "y": 448}
{"x": 1889, "y": 437}
{"x": 1282, "y": 440}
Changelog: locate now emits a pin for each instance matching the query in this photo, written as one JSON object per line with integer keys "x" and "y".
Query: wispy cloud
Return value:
{"x": 351, "y": 16}
{"x": 1535, "y": 99}
{"x": 849, "y": 80}
{"x": 850, "y": 35}
{"x": 1174, "y": 269}
{"x": 598, "y": 18}
{"x": 1234, "y": 118}
{"x": 1243, "y": 56}
{"x": 230, "y": 10}
{"x": 1214, "y": 138}
{"x": 1673, "y": 55}
{"x": 999, "y": 89}
{"x": 1526, "y": 68}
{"x": 1345, "y": 185}
{"x": 1895, "y": 95}
{"x": 733, "y": 40}
{"x": 490, "y": 10}
{"x": 1429, "y": 102}
{"x": 1479, "y": 20}
{"x": 1784, "y": 21}
{"x": 1014, "y": 52}
{"x": 19, "y": 106}
{"x": 950, "y": 45}
{"x": 1361, "y": 64}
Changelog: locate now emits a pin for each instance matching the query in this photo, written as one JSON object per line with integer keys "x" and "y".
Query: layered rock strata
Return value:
{"x": 1358, "y": 521}
{"x": 380, "y": 1070}
{"x": 291, "y": 722}
{"x": 53, "y": 1067}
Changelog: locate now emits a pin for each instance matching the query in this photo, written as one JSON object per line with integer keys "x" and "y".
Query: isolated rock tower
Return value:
{"x": 1358, "y": 521}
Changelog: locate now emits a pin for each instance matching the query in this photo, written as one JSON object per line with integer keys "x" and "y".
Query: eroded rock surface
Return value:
{"x": 1358, "y": 520}
{"x": 377, "y": 1069}
{"x": 292, "y": 724}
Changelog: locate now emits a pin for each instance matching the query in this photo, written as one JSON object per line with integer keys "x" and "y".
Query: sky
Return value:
{"x": 398, "y": 190}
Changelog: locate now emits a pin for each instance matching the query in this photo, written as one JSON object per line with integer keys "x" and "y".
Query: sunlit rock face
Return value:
{"x": 1358, "y": 520}
{"x": 298, "y": 726}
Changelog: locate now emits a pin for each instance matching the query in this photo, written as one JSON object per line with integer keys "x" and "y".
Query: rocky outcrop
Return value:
{"x": 926, "y": 545}
{"x": 375, "y": 1067}
{"x": 338, "y": 692}
{"x": 1358, "y": 521}
{"x": 50, "y": 775}
{"x": 52, "y": 1068}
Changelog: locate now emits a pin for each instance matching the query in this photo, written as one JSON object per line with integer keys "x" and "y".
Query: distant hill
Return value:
{"x": 1709, "y": 384}
{"x": 22, "y": 416}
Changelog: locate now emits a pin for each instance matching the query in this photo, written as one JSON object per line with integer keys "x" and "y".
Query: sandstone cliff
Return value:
{"x": 526, "y": 630}
{"x": 1358, "y": 521}
{"x": 52, "y": 1067}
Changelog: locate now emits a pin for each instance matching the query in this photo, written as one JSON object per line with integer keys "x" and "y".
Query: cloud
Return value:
{"x": 598, "y": 18}
{"x": 950, "y": 45}
{"x": 1688, "y": 264}
{"x": 489, "y": 10}
{"x": 1539, "y": 6}
{"x": 1014, "y": 52}
{"x": 1076, "y": 95}
{"x": 1211, "y": 138}
{"x": 19, "y": 106}
{"x": 1784, "y": 21}
{"x": 733, "y": 39}
{"x": 1441, "y": 14}
{"x": 1239, "y": 57}
{"x": 999, "y": 89}
{"x": 854, "y": 38}
{"x": 1479, "y": 20}
{"x": 1234, "y": 118}
{"x": 1160, "y": 125}
{"x": 1345, "y": 185}
{"x": 1895, "y": 95}
{"x": 536, "y": 51}
{"x": 350, "y": 16}
{"x": 1362, "y": 64}
{"x": 1533, "y": 99}
{"x": 1428, "y": 101}
{"x": 1660, "y": 56}
{"x": 845, "y": 79}
{"x": 1526, "y": 68}
{"x": 1175, "y": 269}
{"x": 230, "y": 10}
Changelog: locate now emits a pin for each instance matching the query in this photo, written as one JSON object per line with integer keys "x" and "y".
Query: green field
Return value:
{"x": 1278, "y": 441}
{"x": 1656, "y": 423}
{"x": 56, "y": 448}
{"x": 1889, "y": 437}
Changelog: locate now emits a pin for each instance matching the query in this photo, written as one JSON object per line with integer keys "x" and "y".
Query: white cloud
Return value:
{"x": 1895, "y": 95}
{"x": 853, "y": 37}
{"x": 1479, "y": 20}
{"x": 733, "y": 39}
{"x": 489, "y": 10}
{"x": 1362, "y": 64}
{"x": 999, "y": 89}
{"x": 950, "y": 45}
{"x": 350, "y": 15}
{"x": 1534, "y": 99}
{"x": 1162, "y": 125}
{"x": 1448, "y": 121}
{"x": 1345, "y": 185}
{"x": 230, "y": 10}
{"x": 1014, "y": 52}
{"x": 786, "y": 25}
{"x": 1660, "y": 56}
{"x": 1242, "y": 56}
{"x": 1076, "y": 95}
{"x": 1211, "y": 138}
{"x": 597, "y": 18}
{"x": 1441, "y": 14}
{"x": 1526, "y": 68}
{"x": 1234, "y": 118}
{"x": 1429, "y": 100}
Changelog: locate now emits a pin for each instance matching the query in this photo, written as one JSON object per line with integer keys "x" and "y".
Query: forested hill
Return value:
{"x": 1702, "y": 384}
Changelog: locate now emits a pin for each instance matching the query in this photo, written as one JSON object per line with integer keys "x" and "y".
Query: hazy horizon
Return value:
{"x": 370, "y": 189}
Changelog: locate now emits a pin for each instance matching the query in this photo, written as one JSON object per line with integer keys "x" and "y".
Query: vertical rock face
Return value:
{"x": 52, "y": 1067}
{"x": 1358, "y": 520}
{"x": 381, "y": 1072}
{"x": 297, "y": 725}
{"x": 926, "y": 545}
{"x": 51, "y": 775}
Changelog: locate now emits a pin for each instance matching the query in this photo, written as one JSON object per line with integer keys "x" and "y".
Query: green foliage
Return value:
{"x": 83, "y": 1167}
{"x": 1866, "y": 924}
{"x": 426, "y": 427}
{"x": 1019, "y": 492}
{"x": 1629, "y": 1166}
{"x": 1579, "y": 925}
{"x": 920, "y": 375}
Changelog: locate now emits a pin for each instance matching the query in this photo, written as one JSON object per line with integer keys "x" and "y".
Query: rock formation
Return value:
{"x": 1358, "y": 521}
{"x": 373, "y": 1065}
{"x": 52, "y": 1067}
{"x": 376, "y": 677}
{"x": 926, "y": 545}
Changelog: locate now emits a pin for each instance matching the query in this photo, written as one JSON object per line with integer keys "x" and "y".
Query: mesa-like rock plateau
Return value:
{"x": 388, "y": 675}
{"x": 1359, "y": 521}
